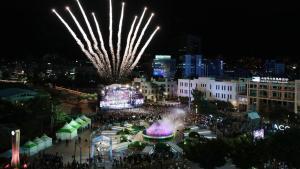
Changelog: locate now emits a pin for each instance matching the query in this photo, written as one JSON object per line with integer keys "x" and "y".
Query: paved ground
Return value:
{"x": 68, "y": 150}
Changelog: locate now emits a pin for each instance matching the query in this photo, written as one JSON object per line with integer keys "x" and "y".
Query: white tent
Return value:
{"x": 66, "y": 133}
{"x": 30, "y": 148}
{"x": 82, "y": 123}
{"x": 74, "y": 124}
{"x": 47, "y": 140}
{"x": 86, "y": 119}
{"x": 40, "y": 144}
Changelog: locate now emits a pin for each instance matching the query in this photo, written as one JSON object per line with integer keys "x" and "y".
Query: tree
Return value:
{"x": 60, "y": 117}
{"x": 203, "y": 105}
{"x": 224, "y": 106}
{"x": 285, "y": 147}
{"x": 245, "y": 153}
{"x": 212, "y": 154}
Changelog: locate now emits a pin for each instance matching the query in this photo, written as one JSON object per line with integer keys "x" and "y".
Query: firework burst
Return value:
{"x": 111, "y": 64}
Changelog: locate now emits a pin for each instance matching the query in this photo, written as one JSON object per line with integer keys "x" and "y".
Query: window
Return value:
{"x": 210, "y": 86}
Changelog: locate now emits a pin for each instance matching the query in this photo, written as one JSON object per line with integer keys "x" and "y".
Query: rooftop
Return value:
{"x": 13, "y": 91}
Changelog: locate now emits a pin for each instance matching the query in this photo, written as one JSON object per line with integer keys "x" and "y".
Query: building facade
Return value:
{"x": 222, "y": 90}
{"x": 268, "y": 92}
{"x": 155, "y": 90}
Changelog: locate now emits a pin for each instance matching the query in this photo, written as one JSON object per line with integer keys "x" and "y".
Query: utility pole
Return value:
{"x": 189, "y": 95}
{"x": 80, "y": 155}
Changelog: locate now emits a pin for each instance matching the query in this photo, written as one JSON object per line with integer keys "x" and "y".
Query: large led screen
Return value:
{"x": 120, "y": 97}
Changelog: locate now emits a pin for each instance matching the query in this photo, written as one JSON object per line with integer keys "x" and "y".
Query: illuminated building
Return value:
{"x": 267, "y": 92}
{"x": 213, "y": 89}
{"x": 274, "y": 68}
{"x": 192, "y": 66}
{"x": 164, "y": 66}
{"x": 156, "y": 89}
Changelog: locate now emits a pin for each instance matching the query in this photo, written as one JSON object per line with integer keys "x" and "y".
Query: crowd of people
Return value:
{"x": 139, "y": 161}
{"x": 50, "y": 161}
{"x": 146, "y": 113}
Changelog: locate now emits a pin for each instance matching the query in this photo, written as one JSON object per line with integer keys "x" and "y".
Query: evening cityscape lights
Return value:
{"x": 218, "y": 87}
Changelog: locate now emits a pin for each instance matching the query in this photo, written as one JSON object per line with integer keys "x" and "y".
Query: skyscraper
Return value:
{"x": 192, "y": 66}
{"x": 274, "y": 68}
{"x": 164, "y": 66}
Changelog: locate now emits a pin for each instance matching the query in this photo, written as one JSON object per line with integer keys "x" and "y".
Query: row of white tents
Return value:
{"x": 38, "y": 144}
{"x": 69, "y": 130}
{"x": 32, "y": 147}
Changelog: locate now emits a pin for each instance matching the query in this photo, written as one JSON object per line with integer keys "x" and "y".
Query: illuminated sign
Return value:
{"x": 270, "y": 79}
{"x": 259, "y": 134}
{"x": 281, "y": 127}
{"x": 162, "y": 57}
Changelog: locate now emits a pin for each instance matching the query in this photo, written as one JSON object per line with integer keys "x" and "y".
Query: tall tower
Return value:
{"x": 15, "y": 158}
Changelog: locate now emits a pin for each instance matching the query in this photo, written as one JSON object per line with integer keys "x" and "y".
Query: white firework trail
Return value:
{"x": 108, "y": 64}
{"x": 120, "y": 37}
{"x": 81, "y": 45}
{"x": 134, "y": 36}
{"x": 91, "y": 33}
{"x": 143, "y": 49}
{"x": 85, "y": 37}
{"x": 111, "y": 46}
{"x": 127, "y": 43}
{"x": 102, "y": 44}
{"x": 140, "y": 38}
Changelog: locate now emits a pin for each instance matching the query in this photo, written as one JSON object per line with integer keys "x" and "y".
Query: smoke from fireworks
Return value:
{"x": 112, "y": 66}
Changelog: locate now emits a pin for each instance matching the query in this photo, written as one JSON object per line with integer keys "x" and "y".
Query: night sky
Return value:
{"x": 29, "y": 29}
